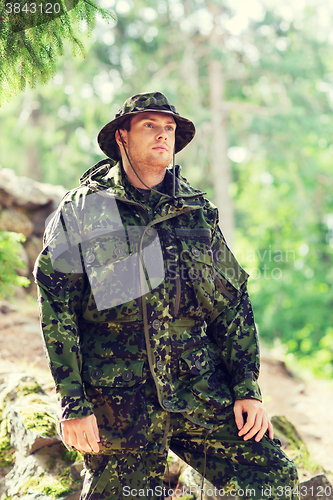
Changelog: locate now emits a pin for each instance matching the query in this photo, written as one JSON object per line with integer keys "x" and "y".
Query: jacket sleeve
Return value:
{"x": 61, "y": 281}
{"x": 232, "y": 324}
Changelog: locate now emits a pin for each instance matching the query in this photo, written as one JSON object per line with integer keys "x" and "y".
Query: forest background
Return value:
{"x": 256, "y": 77}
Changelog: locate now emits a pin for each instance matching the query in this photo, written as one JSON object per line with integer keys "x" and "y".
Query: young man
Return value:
{"x": 148, "y": 325}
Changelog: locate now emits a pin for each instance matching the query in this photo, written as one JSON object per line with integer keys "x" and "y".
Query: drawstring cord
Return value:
{"x": 152, "y": 189}
{"x": 165, "y": 435}
{"x": 205, "y": 463}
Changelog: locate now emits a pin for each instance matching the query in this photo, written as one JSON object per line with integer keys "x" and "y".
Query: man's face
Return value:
{"x": 151, "y": 140}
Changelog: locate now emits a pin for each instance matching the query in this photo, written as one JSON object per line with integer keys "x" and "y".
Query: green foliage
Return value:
{"x": 29, "y": 56}
{"x": 10, "y": 261}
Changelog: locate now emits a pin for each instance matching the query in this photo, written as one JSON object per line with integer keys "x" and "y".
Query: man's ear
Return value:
{"x": 123, "y": 135}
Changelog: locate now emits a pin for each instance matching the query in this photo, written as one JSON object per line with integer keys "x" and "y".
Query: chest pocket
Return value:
{"x": 229, "y": 275}
{"x": 110, "y": 269}
{"x": 113, "y": 265}
{"x": 196, "y": 265}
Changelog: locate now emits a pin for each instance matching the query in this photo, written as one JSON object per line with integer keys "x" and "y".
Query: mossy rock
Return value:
{"x": 38, "y": 420}
{"x": 53, "y": 486}
{"x": 7, "y": 452}
{"x": 293, "y": 443}
{"x": 16, "y": 386}
{"x": 33, "y": 423}
{"x": 46, "y": 474}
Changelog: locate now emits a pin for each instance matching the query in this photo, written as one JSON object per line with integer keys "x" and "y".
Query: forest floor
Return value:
{"x": 306, "y": 401}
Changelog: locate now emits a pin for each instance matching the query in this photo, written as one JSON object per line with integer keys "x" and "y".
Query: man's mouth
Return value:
{"x": 160, "y": 148}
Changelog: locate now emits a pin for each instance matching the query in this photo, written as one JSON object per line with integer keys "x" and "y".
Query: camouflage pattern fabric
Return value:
{"x": 200, "y": 332}
{"x": 151, "y": 101}
{"x": 249, "y": 470}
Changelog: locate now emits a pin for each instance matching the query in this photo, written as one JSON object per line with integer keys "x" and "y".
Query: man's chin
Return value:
{"x": 159, "y": 163}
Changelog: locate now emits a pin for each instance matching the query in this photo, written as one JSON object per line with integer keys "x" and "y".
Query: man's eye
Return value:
{"x": 149, "y": 125}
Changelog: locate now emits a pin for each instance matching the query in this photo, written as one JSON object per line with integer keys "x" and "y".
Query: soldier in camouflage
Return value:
{"x": 148, "y": 326}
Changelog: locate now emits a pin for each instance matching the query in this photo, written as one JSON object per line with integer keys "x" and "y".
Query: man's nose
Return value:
{"x": 162, "y": 134}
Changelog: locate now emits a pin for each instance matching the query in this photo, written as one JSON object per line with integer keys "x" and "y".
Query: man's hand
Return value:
{"x": 81, "y": 433}
{"x": 257, "y": 421}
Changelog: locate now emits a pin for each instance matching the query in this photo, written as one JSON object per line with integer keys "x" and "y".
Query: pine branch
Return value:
{"x": 29, "y": 56}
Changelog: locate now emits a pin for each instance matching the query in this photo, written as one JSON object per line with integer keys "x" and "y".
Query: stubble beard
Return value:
{"x": 147, "y": 164}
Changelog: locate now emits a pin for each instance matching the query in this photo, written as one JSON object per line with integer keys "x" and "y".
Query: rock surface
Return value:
{"x": 317, "y": 487}
{"x": 24, "y": 206}
{"x": 25, "y": 192}
{"x": 34, "y": 463}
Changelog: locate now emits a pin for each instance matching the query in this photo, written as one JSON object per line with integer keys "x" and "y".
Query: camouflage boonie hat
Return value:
{"x": 140, "y": 103}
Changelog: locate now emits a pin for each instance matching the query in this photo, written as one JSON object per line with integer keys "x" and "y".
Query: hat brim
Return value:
{"x": 185, "y": 132}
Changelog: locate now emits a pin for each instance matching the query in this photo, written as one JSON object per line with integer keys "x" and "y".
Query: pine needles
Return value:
{"x": 31, "y": 42}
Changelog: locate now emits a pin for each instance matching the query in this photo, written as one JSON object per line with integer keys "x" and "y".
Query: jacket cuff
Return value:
{"x": 248, "y": 388}
{"x": 73, "y": 402}
{"x": 74, "y": 407}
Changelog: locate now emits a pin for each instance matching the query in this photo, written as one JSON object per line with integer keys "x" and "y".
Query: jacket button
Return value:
{"x": 150, "y": 231}
{"x": 96, "y": 373}
{"x": 195, "y": 252}
{"x": 160, "y": 366}
{"x": 119, "y": 252}
{"x": 198, "y": 365}
{"x": 90, "y": 257}
{"x": 166, "y": 403}
{"x": 156, "y": 324}
{"x": 128, "y": 375}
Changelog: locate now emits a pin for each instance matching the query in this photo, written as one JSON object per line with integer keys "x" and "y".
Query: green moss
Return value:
{"x": 53, "y": 486}
{"x": 7, "y": 453}
{"x": 297, "y": 450}
{"x": 32, "y": 387}
{"x": 70, "y": 457}
{"x": 41, "y": 421}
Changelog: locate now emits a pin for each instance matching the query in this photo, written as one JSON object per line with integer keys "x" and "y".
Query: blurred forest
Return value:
{"x": 256, "y": 77}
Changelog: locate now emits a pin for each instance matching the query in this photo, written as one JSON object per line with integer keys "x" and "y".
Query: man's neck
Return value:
{"x": 151, "y": 179}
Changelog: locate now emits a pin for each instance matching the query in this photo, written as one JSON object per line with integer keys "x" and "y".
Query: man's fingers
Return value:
{"x": 257, "y": 421}
{"x": 95, "y": 428}
{"x": 251, "y": 428}
{"x": 270, "y": 429}
{"x": 81, "y": 433}
{"x": 250, "y": 420}
{"x": 238, "y": 416}
{"x": 90, "y": 437}
{"x": 82, "y": 443}
{"x": 262, "y": 431}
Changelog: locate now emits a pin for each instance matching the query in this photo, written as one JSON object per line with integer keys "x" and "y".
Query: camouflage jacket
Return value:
{"x": 134, "y": 291}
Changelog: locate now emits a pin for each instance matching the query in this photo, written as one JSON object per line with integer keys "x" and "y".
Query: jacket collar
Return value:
{"x": 107, "y": 175}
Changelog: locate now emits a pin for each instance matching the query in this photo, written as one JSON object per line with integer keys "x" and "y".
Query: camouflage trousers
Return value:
{"x": 242, "y": 469}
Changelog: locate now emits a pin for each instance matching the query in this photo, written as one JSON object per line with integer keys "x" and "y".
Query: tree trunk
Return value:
{"x": 33, "y": 164}
{"x": 220, "y": 163}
